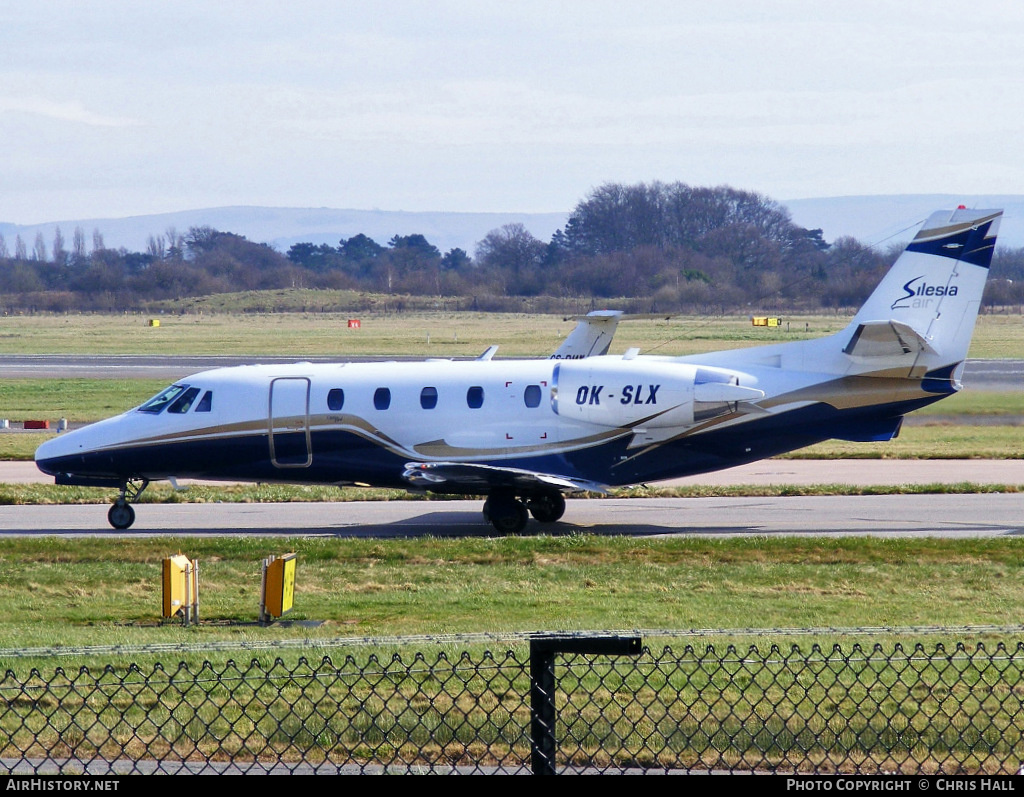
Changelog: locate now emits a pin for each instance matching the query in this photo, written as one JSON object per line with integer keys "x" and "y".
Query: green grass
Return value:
{"x": 60, "y": 591}
{"x": 421, "y": 333}
{"x": 42, "y": 494}
{"x": 77, "y": 400}
{"x": 73, "y": 593}
{"x": 941, "y": 441}
{"x": 977, "y": 403}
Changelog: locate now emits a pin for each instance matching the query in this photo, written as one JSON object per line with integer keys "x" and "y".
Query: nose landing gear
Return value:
{"x": 121, "y": 514}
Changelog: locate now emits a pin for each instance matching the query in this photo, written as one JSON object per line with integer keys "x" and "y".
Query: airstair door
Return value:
{"x": 289, "y": 423}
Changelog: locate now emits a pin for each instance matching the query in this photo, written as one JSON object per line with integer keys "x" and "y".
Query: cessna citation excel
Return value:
{"x": 524, "y": 433}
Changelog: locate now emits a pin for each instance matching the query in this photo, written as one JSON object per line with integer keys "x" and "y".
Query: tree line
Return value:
{"x": 666, "y": 247}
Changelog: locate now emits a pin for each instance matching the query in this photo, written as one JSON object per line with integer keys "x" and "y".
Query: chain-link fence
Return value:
{"x": 862, "y": 710}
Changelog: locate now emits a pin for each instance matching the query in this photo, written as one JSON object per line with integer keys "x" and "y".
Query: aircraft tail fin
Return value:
{"x": 928, "y": 303}
{"x": 591, "y": 336}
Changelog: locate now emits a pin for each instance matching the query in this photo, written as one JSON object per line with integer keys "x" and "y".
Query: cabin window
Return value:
{"x": 382, "y": 398}
{"x": 183, "y": 403}
{"x": 428, "y": 398}
{"x": 475, "y": 397}
{"x": 532, "y": 395}
{"x": 159, "y": 402}
{"x": 335, "y": 399}
{"x": 206, "y": 402}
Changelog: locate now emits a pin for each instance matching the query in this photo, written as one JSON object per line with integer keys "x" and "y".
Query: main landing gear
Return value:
{"x": 509, "y": 514}
{"x": 121, "y": 515}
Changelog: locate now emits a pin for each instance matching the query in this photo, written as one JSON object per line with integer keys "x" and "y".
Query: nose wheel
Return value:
{"x": 121, "y": 515}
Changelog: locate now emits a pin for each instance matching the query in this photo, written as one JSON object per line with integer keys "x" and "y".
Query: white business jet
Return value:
{"x": 524, "y": 433}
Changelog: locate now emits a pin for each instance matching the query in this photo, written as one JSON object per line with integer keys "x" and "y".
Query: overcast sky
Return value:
{"x": 114, "y": 108}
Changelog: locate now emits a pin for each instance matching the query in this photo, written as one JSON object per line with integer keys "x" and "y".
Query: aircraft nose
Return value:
{"x": 52, "y": 452}
{"x": 80, "y": 451}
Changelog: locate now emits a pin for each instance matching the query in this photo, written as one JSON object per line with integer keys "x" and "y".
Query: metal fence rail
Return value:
{"x": 864, "y": 710}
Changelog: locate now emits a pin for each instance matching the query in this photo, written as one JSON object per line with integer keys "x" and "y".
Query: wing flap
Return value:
{"x": 476, "y": 478}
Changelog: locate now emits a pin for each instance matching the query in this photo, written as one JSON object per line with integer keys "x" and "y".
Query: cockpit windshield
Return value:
{"x": 168, "y": 396}
{"x": 183, "y": 403}
{"x": 178, "y": 399}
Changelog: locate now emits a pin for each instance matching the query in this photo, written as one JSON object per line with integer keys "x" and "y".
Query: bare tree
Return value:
{"x": 175, "y": 243}
{"x": 20, "y": 250}
{"x": 3, "y": 247}
{"x": 39, "y": 249}
{"x": 78, "y": 245}
{"x": 97, "y": 240}
{"x": 60, "y": 254}
{"x": 156, "y": 247}
{"x": 511, "y": 247}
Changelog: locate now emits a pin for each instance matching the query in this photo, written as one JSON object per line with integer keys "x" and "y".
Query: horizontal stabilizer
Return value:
{"x": 886, "y": 339}
{"x": 473, "y": 478}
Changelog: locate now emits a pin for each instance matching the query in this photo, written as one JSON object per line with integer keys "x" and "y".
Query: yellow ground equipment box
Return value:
{"x": 766, "y": 321}
{"x": 181, "y": 588}
{"x": 278, "y": 586}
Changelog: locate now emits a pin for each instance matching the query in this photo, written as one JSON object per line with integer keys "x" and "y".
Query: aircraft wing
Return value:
{"x": 474, "y": 478}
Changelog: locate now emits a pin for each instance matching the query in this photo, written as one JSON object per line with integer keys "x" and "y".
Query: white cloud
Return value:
{"x": 70, "y": 111}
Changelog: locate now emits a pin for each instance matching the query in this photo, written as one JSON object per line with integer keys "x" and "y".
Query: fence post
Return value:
{"x": 543, "y": 742}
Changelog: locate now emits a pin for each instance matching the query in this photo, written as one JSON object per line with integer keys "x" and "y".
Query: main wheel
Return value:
{"x": 547, "y": 508}
{"x": 121, "y": 515}
{"x": 507, "y": 514}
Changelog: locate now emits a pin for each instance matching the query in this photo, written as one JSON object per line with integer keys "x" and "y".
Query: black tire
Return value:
{"x": 510, "y": 519}
{"x": 507, "y": 514}
{"x": 547, "y": 508}
{"x": 121, "y": 515}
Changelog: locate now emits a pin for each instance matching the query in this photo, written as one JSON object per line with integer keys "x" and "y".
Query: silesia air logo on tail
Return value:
{"x": 915, "y": 293}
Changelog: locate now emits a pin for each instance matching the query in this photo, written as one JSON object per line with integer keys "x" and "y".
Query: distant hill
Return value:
{"x": 870, "y": 219}
{"x": 282, "y": 227}
{"x": 892, "y": 219}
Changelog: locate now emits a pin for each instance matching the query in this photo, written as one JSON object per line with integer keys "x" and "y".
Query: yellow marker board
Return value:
{"x": 280, "y": 585}
{"x": 176, "y": 584}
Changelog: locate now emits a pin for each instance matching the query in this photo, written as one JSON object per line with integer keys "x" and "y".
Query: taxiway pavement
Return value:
{"x": 945, "y": 515}
{"x": 973, "y": 514}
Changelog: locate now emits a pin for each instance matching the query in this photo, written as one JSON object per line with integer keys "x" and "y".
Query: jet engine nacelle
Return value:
{"x": 629, "y": 392}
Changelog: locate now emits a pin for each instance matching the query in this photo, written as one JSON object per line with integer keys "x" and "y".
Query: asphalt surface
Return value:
{"x": 984, "y": 514}
{"x": 969, "y": 515}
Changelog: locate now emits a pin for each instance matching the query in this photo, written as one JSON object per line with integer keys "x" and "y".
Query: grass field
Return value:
{"x": 438, "y": 334}
{"x": 105, "y": 591}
